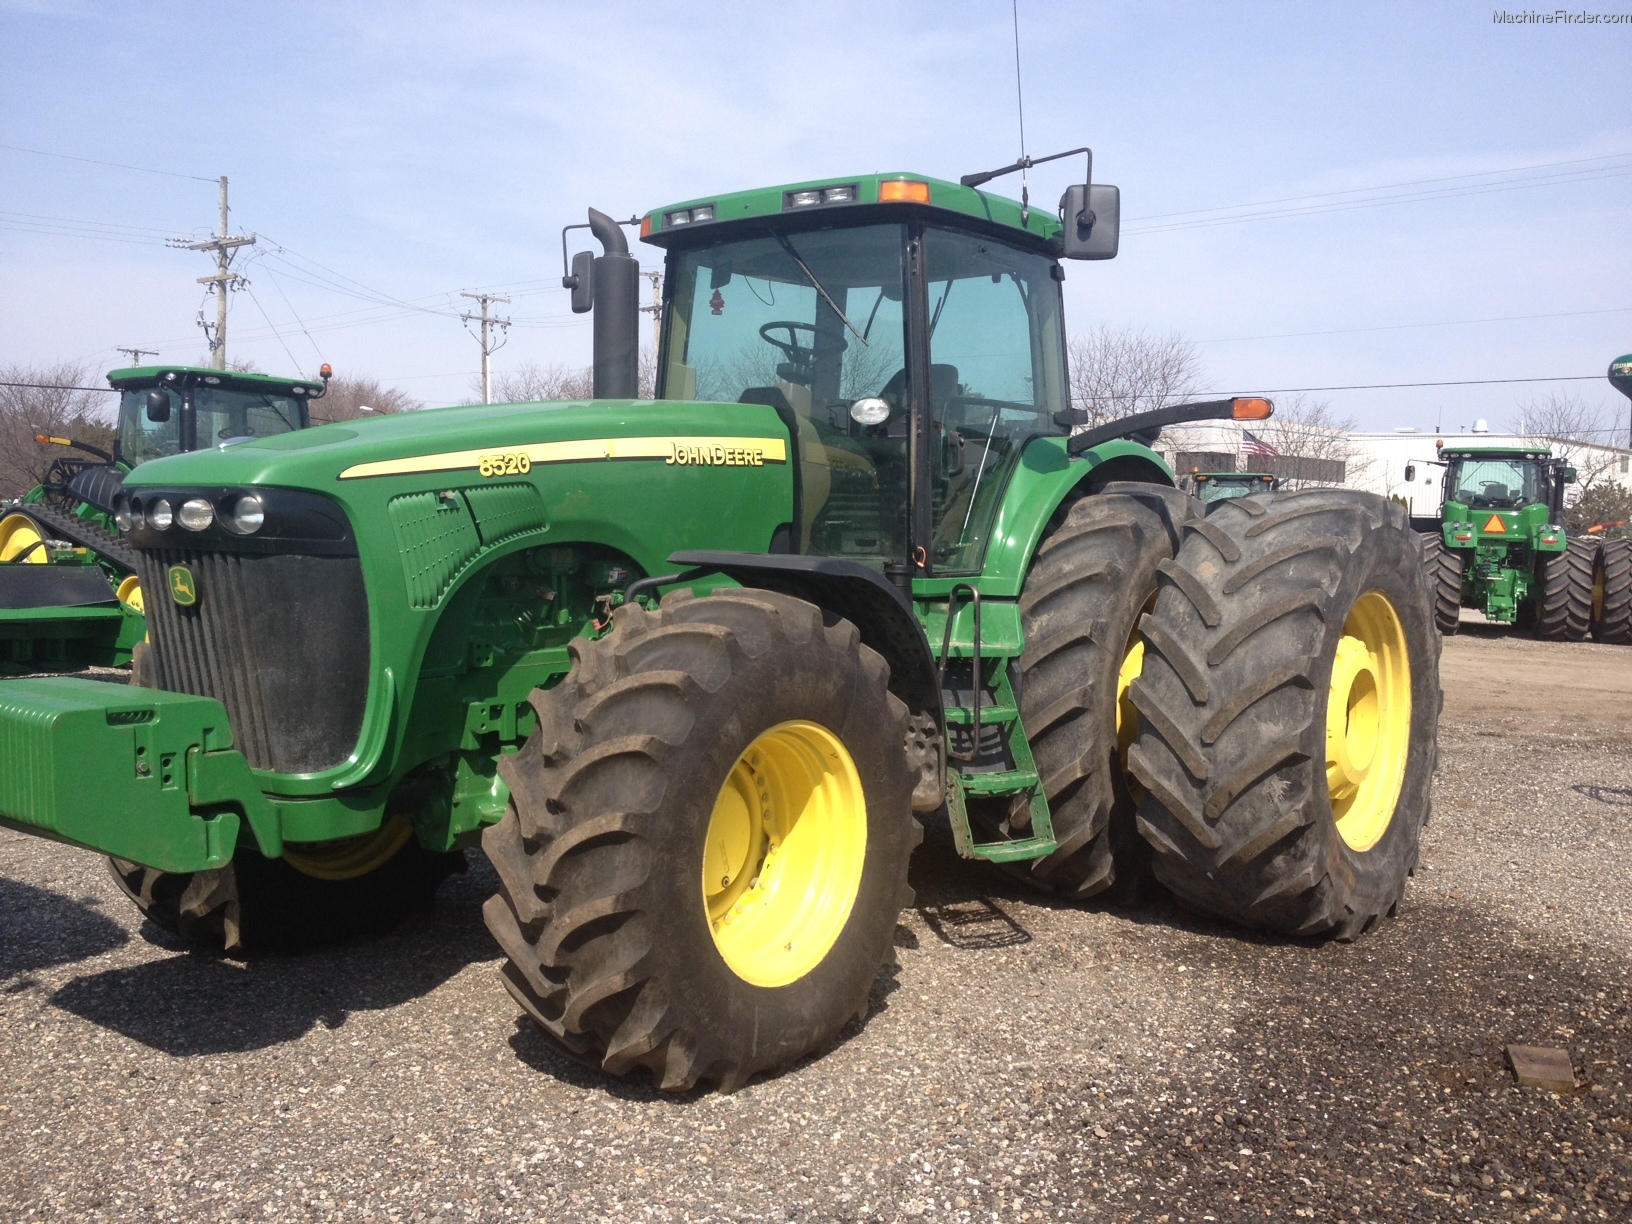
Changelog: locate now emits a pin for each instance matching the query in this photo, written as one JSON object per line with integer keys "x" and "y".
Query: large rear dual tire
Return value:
{"x": 1093, "y": 576}
{"x": 1289, "y": 702}
{"x": 1612, "y": 594}
{"x": 1563, "y": 604}
{"x": 707, "y": 842}
{"x": 1443, "y": 569}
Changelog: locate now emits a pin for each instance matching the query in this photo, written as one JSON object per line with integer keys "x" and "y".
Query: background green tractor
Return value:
{"x": 70, "y": 596}
{"x": 1501, "y": 547}
{"x": 1210, "y": 487}
{"x": 693, "y": 670}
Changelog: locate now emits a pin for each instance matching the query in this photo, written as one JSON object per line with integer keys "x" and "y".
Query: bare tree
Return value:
{"x": 1573, "y": 427}
{"x": 1607, "y": 506}
{"x": 1309, "y": 429}
{"x": 350, "y": 398}
{"x": 48, "y": 405}
{"x": 556, "y": 380}
{"x": 1119, "y": 371}
{"x": 532, "y": 381}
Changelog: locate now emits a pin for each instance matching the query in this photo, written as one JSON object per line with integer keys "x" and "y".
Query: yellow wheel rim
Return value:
{"x": 1368, "y": 721}
{"x": 18, "y": 534}
{"x": 351, "y": 857}
{"x": 130, "y": 592}
{"x": 1127, "y": 718}
{"x": 783, "y": 855}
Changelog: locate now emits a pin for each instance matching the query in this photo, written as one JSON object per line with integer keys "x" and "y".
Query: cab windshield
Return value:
{"x": 222, "y": 415}
{"x": 1488, "y": 483}
{"x": 810, "y": 322}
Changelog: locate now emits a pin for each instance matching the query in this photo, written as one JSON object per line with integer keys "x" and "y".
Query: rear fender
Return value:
{"x": 861, "y": 595}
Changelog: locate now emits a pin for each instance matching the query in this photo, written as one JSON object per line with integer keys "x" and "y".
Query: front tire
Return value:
{"x": 707, "y": 842}
{"x": 318, "y": 894}
{"x": 1292, "y": 681}
{"x": 353, "y": 888}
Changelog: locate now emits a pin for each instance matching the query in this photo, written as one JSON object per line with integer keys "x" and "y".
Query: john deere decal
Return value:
{"x": 183, "y": 587}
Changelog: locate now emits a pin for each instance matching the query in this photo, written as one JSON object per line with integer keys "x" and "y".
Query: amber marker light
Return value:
{"x": 903, "y": 191}
{"x": 646, "y": 226}
{"x": 1246, "y": 408}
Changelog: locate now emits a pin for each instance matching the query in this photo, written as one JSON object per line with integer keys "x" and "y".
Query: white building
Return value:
{"x": 1377, "y": 461}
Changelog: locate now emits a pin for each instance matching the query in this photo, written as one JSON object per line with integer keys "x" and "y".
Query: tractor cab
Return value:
{"x": 909, "y": 332}
{"x": 1491, "y": 479}
{"x": 167, "y": 410}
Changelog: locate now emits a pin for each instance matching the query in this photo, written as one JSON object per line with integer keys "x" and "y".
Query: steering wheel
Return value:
{"x": 798, "y": 354}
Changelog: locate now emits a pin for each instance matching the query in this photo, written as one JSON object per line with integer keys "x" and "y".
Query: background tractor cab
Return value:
{"x": 1221, "y": 486}
{"x": 69, "y": 594}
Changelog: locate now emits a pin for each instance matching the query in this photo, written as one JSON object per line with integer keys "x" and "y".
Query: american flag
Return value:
{"x": 1252, "y": 444}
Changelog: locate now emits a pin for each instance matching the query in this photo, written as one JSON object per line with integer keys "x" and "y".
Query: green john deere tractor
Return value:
{"x": 692, "y": 670}
{"x": 1612, "y": 579}
{"x": 70, "y": 595}
{"x": 1210, "y": 487}
{"x": 1501, "y": 546}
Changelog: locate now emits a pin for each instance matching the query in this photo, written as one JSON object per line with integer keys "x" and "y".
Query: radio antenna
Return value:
{"x": 1020, "y": 103}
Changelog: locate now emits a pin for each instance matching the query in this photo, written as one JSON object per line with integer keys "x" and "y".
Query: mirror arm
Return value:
{"x": 1026, "y": 163}
{"x": 1152, "y": 423}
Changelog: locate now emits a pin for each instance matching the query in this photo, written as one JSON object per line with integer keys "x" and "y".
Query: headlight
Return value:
{"x": 159, "y": 515}
{"x": 195, "y": 514}
{"x": 125, "y": 516}
{"x": 248, "y": 514}
{"x": 870, "y": 411}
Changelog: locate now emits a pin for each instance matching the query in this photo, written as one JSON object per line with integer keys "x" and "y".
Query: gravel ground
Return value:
{"x": 1024, "y": 1061}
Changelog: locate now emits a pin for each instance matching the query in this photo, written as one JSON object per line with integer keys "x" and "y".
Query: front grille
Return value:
{"x": 281, "y": 640}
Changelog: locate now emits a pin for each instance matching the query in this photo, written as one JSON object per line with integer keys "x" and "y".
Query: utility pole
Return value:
{"x": 655, "y": 309}
{"x": 488, "y": 348}
{"x": 136, "y": 354}
{"x": 223, "y": 245}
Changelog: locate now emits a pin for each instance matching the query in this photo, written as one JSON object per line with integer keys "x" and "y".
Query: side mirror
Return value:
{"x": 583, "y": 282}
{"x": 1093, "y": 221}
{"x": 158, "y": 406}
{"x": 1410, "y": 472}
{"x": 1567, "y": 475}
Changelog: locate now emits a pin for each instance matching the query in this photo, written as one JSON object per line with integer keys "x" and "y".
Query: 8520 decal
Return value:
{"x": 506, "y": 463}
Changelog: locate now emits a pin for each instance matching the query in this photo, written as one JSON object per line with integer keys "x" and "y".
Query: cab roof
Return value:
{"x": 1499, "y": 452}
{"x": 233, "y": 380}
{"x": 868, "y": 194}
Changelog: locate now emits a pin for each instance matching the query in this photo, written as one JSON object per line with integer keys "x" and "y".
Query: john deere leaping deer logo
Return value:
{"x": 183, "y": 587}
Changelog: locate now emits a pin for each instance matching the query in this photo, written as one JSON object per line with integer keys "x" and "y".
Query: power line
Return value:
{"x": 91, "y": 161}
{"x": 1461, "y": 382}
{"x": 1349, "y": 331}
{"x": 59, "y": 387}
{"x": 1580, "y": 161}
{"x": 1407, "y": 198}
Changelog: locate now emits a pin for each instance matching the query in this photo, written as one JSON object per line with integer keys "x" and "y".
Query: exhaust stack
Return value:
{"x": 614, "y": 294}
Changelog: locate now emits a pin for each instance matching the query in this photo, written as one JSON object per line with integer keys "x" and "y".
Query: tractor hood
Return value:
{"x": 345, "y": 545}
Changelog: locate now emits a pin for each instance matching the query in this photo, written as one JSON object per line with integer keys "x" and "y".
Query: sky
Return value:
{"x": 1429, "y": 195}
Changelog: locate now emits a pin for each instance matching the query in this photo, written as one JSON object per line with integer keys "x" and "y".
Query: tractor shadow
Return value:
{"x": 40, "y": 929}
{"x": 973, "y": 906}
{"x": 197, "y": 1004}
